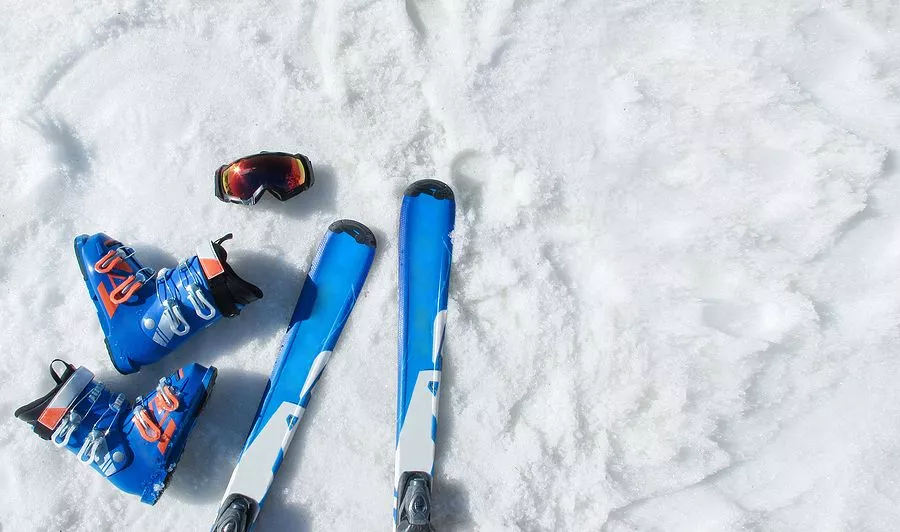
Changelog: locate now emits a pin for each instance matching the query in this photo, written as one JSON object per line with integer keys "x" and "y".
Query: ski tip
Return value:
{"x": 432, "y": 187}
{"x": 358, "y": 231}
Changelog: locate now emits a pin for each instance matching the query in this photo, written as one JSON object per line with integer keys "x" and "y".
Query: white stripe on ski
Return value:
{"x": 440, "y": 321}
{"x": 253, "y": 475}
{"x": 314, "y": 371}
{"x": 415, "y": 447}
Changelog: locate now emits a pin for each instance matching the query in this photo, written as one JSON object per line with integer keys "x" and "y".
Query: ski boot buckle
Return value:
{"x": 132, "y": 284}
{"x": 112, "y": 259}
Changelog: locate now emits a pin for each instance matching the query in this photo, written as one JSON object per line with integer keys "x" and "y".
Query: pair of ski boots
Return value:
{"x": 144, "y": 316}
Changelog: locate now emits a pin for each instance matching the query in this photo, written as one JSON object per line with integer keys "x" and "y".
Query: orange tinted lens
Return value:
{"x": 282, "y": 174}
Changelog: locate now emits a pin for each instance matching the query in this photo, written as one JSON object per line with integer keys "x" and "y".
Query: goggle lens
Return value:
{"x": 282, "y": 174}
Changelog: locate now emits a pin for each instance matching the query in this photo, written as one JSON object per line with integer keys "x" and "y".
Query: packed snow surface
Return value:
{"x": 676, "y": 284}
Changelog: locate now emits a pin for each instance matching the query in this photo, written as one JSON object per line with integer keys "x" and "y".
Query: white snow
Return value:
{"x": 675, "y": 290}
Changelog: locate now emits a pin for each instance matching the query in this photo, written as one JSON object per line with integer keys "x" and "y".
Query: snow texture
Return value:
{"x": 675, "y": 291}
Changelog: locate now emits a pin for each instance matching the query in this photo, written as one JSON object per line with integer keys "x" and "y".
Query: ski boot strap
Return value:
{"x": 45, "y": 414}
{"x": 230, "y": 293}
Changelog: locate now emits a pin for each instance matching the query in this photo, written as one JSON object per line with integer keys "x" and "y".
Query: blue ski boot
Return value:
{"x": 146, "y": 314}
{"x": 134, "y": 445}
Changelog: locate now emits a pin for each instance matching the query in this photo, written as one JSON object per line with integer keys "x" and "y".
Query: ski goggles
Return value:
{"x": 282, "y": 174}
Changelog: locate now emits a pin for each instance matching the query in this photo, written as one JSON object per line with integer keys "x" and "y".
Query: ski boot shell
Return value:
{"x": 135, "y": 445}
{"x": 145, "y": 314}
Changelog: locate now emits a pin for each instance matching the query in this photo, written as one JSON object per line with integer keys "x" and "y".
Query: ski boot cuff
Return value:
{"x": 230, "y": 291}
{"x": 38, "y": 412}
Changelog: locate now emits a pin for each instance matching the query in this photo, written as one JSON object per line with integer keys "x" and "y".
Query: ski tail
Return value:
{"x": 329, "y": 293}
{"x": 414, "y": 513}
{"x": 426, "y": 223}
{"x": 236, "y": 514}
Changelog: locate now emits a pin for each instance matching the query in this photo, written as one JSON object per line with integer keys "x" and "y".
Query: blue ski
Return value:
{"x": 426, "y": 221}
{"x": 334, "y": 283}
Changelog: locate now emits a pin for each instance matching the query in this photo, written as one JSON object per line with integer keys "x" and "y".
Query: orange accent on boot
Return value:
{"x": 50, "y": 417}
{"x": 107, "y": 303}
{"x": 211, "y": 267}
{"x": 148, "y": 428}
{"x": 166, "y": 437}
{"x": 124, "y": 291}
